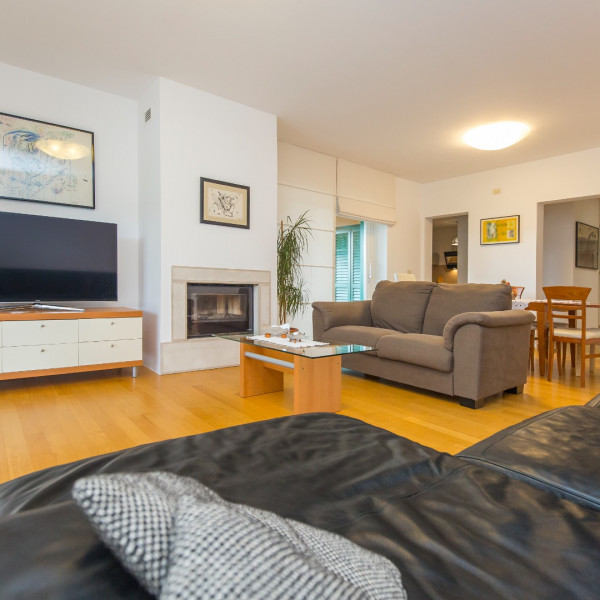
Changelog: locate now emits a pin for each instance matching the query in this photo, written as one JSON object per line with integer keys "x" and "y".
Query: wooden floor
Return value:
{"x": 53, "y": 420}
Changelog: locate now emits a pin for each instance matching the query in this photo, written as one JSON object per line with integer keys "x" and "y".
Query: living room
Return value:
{"x": 156, "y": 134}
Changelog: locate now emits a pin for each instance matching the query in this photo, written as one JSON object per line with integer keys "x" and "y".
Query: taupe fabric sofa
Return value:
{"x": 461, "y": 340}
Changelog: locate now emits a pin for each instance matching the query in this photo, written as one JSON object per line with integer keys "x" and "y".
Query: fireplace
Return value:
{"x": 183, "y": 353}
{"x": 219, "y": 308}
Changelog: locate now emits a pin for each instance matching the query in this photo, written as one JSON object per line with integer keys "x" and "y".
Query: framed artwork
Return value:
{"x": 44, "y": 162}
{"x": 223, "y": 203}
{"x": 586, "y": 246}
{"x": 504, "y": 230}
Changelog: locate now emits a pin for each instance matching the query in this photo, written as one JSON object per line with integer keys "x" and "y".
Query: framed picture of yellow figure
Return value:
{"x": 503, "y": 230}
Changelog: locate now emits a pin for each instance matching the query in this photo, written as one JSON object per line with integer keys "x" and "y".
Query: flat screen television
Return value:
{"x": 49, "y": 259}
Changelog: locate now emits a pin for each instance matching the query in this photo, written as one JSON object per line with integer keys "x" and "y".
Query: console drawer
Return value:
{"x": 37, "y": 333}
{"x": 115, "y": 351}
{"x": 126, "y": 328}
{"x": 32, "y": 358}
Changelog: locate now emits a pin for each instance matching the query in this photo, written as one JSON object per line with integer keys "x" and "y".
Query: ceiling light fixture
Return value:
{"x": 495, "y": 136}
{"x": 454, "y": 241}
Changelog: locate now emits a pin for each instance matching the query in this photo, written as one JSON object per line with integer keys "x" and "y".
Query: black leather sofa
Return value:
{"x": 516, "y": 516}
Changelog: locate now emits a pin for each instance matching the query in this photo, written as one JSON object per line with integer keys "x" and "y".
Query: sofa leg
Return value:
{"x": 516, "y": 390}
{"x": 470, "y": 403}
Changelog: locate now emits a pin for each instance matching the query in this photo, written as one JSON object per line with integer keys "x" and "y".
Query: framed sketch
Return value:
{"x": 223, "y": 203}
{"x": 503, "y": 230}
{"x": 586, "y": 246}
{"x": 44, "y": 162}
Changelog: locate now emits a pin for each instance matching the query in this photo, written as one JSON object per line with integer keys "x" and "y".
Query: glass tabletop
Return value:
{"x": 320, "y": 351}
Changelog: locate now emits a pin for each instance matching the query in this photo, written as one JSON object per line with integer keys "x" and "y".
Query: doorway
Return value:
{"x": 449, "y": 249}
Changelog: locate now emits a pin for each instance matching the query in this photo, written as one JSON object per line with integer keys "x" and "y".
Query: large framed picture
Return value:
{"x": 44, "y": 162}
{"x": 503, "y": 230}
{"x": 223, "y": 203}
{"x": 586, "y": 246}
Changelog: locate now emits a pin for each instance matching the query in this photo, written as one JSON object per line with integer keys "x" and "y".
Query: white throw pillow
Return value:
{"x": 182, "y": 540}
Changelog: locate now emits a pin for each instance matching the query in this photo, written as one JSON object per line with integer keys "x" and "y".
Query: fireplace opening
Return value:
{"x": 219, "y": 308}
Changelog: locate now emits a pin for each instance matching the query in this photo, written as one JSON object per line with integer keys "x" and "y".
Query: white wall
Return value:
{"x": 202, "y": 135}
{"x": 404, "y": 238}
{"x": 150, "y": 217}
{"x": 307, "y": 181}
{"x": 559, "y": 247}
{"x": 522, "y": 187}
{"x": 310, "y": 180}
{"x": 113, "y": 121}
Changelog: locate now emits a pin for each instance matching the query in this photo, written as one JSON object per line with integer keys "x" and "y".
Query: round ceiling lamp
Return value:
{"x": 495, "y": 136}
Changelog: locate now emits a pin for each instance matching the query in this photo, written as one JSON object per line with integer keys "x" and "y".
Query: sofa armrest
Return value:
{"x": 491, "y": 356}
{"x": 335, "y": 314}
{"x": 499, "y": 318}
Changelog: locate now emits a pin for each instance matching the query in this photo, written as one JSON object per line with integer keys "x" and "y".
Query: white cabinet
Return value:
{"x": 92, "y": 330}
{"x": 42, "y": 343}
{"x": 91, "y": 353}
{"x": 34, "y": 333}
{"x": 33, "y": 358}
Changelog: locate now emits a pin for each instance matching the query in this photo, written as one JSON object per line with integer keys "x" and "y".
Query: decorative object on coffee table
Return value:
{"x": 292, "y": 241}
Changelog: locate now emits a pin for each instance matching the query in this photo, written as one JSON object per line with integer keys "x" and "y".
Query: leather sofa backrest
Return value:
{"x": 448, "y": 300}
{"x": 401, "y": 305}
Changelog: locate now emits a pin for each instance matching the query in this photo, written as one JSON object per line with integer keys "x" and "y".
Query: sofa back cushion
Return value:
{"x": 448, "y": 300}
{"x": 401, "y": 305}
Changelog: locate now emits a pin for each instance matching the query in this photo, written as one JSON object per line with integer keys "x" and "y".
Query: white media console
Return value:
{"x": 49, "y": 342}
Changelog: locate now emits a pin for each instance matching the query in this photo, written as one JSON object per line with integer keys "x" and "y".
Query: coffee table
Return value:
{"x": 317, "y": 371}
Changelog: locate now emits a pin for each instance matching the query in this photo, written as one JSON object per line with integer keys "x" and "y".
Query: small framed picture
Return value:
{"x": 586, "y": 246}
{"x": 223, "y": 203}
{"x": 44, "y": 162}
{"x": 503, "y": 230}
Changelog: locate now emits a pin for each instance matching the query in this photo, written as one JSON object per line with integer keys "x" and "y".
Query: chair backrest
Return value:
{"x": 572, "y": 307}
{"x": 517, "y": 291}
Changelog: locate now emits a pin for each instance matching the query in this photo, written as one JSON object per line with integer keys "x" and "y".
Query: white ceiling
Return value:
{"x": 391, "y": 84}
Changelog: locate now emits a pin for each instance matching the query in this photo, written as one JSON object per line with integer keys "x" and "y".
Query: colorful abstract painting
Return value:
{"x": 43, "y": 162}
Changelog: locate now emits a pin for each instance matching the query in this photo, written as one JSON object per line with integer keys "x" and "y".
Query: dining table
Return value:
{"x": 540, "y": 307}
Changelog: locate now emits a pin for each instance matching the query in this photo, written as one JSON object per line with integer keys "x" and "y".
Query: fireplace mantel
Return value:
{"x": 194, "y": 354}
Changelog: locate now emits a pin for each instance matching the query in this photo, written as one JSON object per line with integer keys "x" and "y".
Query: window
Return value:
{"x": 348, "y": 263}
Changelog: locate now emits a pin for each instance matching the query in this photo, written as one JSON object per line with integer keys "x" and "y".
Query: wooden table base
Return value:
{"x": 317, "y": 381}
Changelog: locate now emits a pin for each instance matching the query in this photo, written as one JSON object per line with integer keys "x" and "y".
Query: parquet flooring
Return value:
{"x": 53, "y": 420}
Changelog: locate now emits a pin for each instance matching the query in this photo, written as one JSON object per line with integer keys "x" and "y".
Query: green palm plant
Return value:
{"x": 292, "y": 241}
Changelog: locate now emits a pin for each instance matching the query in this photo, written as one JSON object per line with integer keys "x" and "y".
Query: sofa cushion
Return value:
{"x": 400, "y": 306}
{"x": 355, "y": 334}
{"x": 417, "y": 349}
{"x": 448, "y": 300}
{"x": 557, "y": 450}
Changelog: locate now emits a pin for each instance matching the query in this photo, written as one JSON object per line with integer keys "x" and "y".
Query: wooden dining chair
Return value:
{"x": 533, "y": 338}
{"x": 567, "y": 325}
{"x": 517, "y": 291}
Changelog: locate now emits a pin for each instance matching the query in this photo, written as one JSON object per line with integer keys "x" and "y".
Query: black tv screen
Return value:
{"x": 54, "y": 259}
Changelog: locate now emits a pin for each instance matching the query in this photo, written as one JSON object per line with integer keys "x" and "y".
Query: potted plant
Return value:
{"x": 292, "y": 241}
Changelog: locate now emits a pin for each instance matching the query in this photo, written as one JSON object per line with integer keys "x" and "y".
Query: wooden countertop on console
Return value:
{"x": 103, "y": 312}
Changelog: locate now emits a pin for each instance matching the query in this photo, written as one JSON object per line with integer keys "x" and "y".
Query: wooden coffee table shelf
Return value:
{"x": 317, "y": 372}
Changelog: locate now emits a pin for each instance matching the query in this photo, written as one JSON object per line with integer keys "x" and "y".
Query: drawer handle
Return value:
{"x": 112, "y": 345}
{"x": 43, "y": 350}
{"x": 112, "y": 322}
{"x": 43, "y": 325}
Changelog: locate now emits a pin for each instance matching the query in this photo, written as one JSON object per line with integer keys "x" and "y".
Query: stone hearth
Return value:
{"x": 194, "y": 354}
